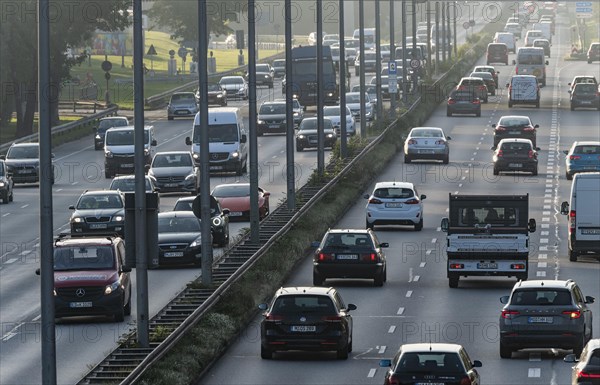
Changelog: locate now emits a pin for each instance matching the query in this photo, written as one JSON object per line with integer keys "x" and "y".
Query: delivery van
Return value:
{"x": 531, "y": 61}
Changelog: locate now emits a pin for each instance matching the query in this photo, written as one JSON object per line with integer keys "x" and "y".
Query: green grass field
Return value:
{"x": 7, "y": 133}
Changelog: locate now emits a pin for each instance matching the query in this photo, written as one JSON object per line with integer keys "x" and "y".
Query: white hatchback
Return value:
{"x": 395, "y": 203}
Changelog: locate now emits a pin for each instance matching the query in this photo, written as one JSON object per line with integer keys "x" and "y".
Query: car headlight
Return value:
{"x": 235, "y": 154}
{"x": 330, "y": 135}
{"x": 216, "y": 221}
{"x": 190, "y": 176}
{"x": 330, "y": 94}
{"x": 1, "y": 184}
{"x": 267, "y": 76}
{"x": 197, "y": 242}
{"x": 196, "y": 155}
{"x": 76, "y": 219}
{"x": 219, "y": 95}
{"x": 112, "y": 287}
{"x": 146, "y": 151}
{"x": 296, "y": 114}
{"x": 295, "y": 96}
{"x": 108, "y": 154}
{"x": 260, "y": 122}
{"x": 98, "y": 137}
{"x": 300, "y": 136}
{"x": 118, "y": 218}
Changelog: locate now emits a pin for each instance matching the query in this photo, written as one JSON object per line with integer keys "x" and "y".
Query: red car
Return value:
{"x": 236, "y": 198}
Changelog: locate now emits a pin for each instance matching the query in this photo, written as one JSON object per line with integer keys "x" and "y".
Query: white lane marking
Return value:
{"x": 535, "y": 357}
{"x": 400, "y": 311}
{"x": 434, "y": 240}
{"x": 372, "y": 373}
{"x": 416, "y": 278}
{"x": 438, "y": 229}
{"x": 543, "y": 256}
{"x": 422, "y": 264}
{"x": 460, "y": 185}
{"x": 409, "y": 294}
{"x": 392, "y": 329}
{"x": 24, "y": 206}
{"x": 428, "y": 252}
{"x": 542, "y": 265}
{"x": 410, "y": 274}
{"x": 545, "y": 226}
{"x": 382, "y": 349}
{"x": 274, "y": 157}
{"x": 12, "y": 260}
{"x": 12, "y": 333}
{"x": 546, "y": 207}
{"x": 544, "y": 240}
{"x": 59, "y": 190}
{"x": 37, "y": 318}
{"x": 546, "y": 213}
{"x": 540, "y": 274}
{"x": 74, "y": 183}
{"x": 544, "y": 233}
{"x": 5, "y": 215}
{"x": 25, "y": 252}
{"x": 534, "y": 372}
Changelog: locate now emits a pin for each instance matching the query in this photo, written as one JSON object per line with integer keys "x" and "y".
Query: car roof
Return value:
{"x": 126, "y": 128}
{"x": 487, "y": 67}
{"x": 93, "y": 240}
{"x": 594, "y": 343}
{"x": 276, "y": 101}
{"x": 294, "y": 290}
{"x": 348, "y": 231}
{"x": 586, "y": 143}
{"x": 514, "y": 117}
{"x": 394, "y": 184}
{"x": 183, "y": 93}
{"x": 430, "y": 347}
{"x": 172, "y": 153}
{"x": 232, "y": 184}
{"x": 114, "y": 117}
{"x": 232, "y": 77}
{"x": 543, "y": 283}
{"x": 25, "y": 145}
{"x": 174, "y": 214}
{"x": 471, "y": 78}
{"x": 119, "y": 177}
{"x": 429, "y": 128}
{"x": 515, "y": 140}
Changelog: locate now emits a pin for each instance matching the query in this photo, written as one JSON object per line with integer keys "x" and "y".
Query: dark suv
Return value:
{"x": 90, "y": 277}
{"x": 515, "y": 126}
{"x": 99, "y": 211}
{"x": 545, "y": 314}
{"x": 349, "y": 253}
{"x": 6, "y": 184}
{"x": 271, "y": 118}
{"x": 306, "y": 318}
{"x": 23, "y": 162}
{"x": 515, "y": 155}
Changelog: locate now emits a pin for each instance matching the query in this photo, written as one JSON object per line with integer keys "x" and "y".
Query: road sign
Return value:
{"x": 392, "y": 68}
{"x": 583, "y": 10}
{"x": 392, "y": 83}
{"x": 583, "y": 4}
{"x": 466, "y": 25}
{"x": 182, "y": 52}
{"x": 151, "y": 50}
{"x": 415, "y": 63}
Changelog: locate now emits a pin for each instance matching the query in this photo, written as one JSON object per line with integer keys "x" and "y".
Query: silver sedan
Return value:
{"x": 426, "y": 143}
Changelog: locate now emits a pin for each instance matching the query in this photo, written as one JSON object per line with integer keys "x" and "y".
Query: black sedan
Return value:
{"x": 219, "y": 218}
{"x": 345, "y": 253}
{"x": 515, "y": 155}
{"x": 306, "y": 136}
{"x": 585, "y": 95}
{"x": 179, "y": 238}
{"x": 515, "y": 126}
{"x": 306, "y": 318}
{"x": 98, "y": 211}
{"x": 216, "y": 95}
{"x": 463, "y": 102}
{"x": 264, "y": 75}
{"x": 6, "y": 184}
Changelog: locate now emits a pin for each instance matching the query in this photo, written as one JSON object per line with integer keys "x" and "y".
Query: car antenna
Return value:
{"x": 430, "y": 347}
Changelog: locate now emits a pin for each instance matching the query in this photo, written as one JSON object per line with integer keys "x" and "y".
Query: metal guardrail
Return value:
{"x": 63, "y": 128}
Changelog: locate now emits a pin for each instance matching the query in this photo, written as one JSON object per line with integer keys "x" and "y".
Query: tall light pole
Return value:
{"x": 320, "y": 92}
{"x": 404, "y": 82}
{"x": 363, "y": 100}
{"x": 392, "y": 56}
{"x": 289, "y": 110}
{"x": 429, "y": 68}
{"x": 343, "y": 74}
{"x": 414, "y": 44}
{"x": 253, "y": 153}
{"x": 378, "y": 59}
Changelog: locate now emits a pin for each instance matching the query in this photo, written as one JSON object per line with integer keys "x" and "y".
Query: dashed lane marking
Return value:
{"x": 372, "y": 373}
{"x": 534, "y": 372}
{"x": 382, "y": 349}
{"x": 400, "y": 311}
{"x": 392, "y": 329}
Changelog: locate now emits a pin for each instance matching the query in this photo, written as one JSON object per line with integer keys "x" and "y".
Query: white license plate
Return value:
{"x": 514, "y": 132}
{"x": 26, "y": 171}
{"x": 216, "y": 167}
{"x": 98, "y": 226}
{"x": 171, "y": 184}
{"x": 235, "y": 213}
{"x": 430, "y": 383}
{"x": 127, "y": 165}
{"x": 273, "y": 125}
{"x": 590, "y": 231}
{"x": 303, "y": 328}
{"x": 487, "y": 265}
{"x": 393, "y": 204}
{"x": 181, "y": 112}
{"x": 74, "y": 305}
{"x": 585, "y": 102}
{"x": 544, "y": 320}
{"x": 515, "y": 165}
{"x": 426, "y": 151}
{"x": 346, "y": 256}
{"x": 174, "y": 254}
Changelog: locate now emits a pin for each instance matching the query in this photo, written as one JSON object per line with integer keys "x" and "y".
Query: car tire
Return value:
{"x": 537, "y": 104}
{"x": 265, "y": 353}
{"x": 259, "y": 133}
{"x": 169, "y": 118}
{"x": 522, "y": 277}
{"x": 505, "y": 352}
{"x": 573, "y": 255}
{"x": 356, "y": 72}
{"x": 589, "y": 62}
{"x": 370, "y": 225}
{"x": 478, "y": 115}
{"x": 493, "y": 93}
{"x": 350, "y": 346}
{"x": 496, "y": 171}
{"x": 342, "y": 354}
{"x": 485, "y": 100}
{"x": 107, "y": 174}
{"x": 240, "y": 170}
{"x": 5, "y": 197}
{"x": 448, "y": 113}
{"x": 578, "y": 348}
{"x": 11, "y": 197}
{"x": 299, "y": 148}
{"x": 568, "y": 175}
{"x": 453, "y": 281}
{"x": 127, "y": 309}
{"x": 317, "y": 279}
{"x": 120, "y": 314}
{"x": 197, "y": 262}
{"x": 510, "y": 104}
{"x": 572, "y": 107}
{"x": 534, "y": 172}
{"x": 446, "y": 159}
{"x": 378, "y": 280}
{"x": 419, "y": 226}
{"x": 97, "y": 148}
{"x": 407, "y": 159}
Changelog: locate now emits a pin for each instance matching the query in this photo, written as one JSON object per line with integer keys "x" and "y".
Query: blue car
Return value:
{"x": 582, "y": 157}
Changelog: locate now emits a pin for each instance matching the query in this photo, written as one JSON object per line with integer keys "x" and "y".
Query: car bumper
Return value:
{"x": 524, "y": 340}
{"x": 354, "y": 270}
{"x": 290, "y": 342}
{"x": 102, "y": 305}
{"x": 516, "y": 165}
{"x": 389, "y": 217}
{"x": 103, "y": 228}
{"x": 584, "y": 246}
{"x": 182, "y": 112}
{"x": 498, "y": 138}
{"x": 304, "y": 143}
{"x": 185, "y": 186}
{"x": 122, "y": 165}
{"x": 26, "y": 178}
{"x": 575, "y": 168}
{"x": 274, "y": 128}
{"x": 430, "y": 153}
{"x": 464, "y": 109}
{"x": 585, "y": 103}
{"x": 188, "y": 256}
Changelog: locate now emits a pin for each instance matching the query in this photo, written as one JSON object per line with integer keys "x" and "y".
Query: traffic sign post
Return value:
{"x": 392, "y": 78}
{"x": 583, "y": 9}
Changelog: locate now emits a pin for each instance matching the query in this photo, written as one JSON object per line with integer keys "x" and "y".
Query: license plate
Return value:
{"x": 590, "y": 231}
{"x": 346, "y": 256}
{"x": 393, "y": 205}
{"x": 235, "y": 213}
{"x": 303, "y": 328}
{"x": 171, "y": 184}
{"x": 181, "y": 112}
{"x": 589, "y": 167}
{"x": 273, "y": 125}
{"x": 585, "y": 102}
{"x": 524, "y": 70}
{"x": 127, "y": 165}
{"x": 174, "y": 254}
{"x": 75, "y": 305}
{"x": 544, "y": 320}
{"x": 98, "y": 226}
{"x": 514, "y": 132}
{"x": 312, "y": 94}
{"x": 216, "y": 167}
{"x": 515, "y": 165}
{"x": 426, "y": 152}
{"x": 429, "y": 383}
{"x": 487, "y": 265}
{"x": 26, "y": 171}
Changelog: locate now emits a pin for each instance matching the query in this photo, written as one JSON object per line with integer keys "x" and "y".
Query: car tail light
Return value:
{"x": 528, "y": 128}
{"x": 500, "y": 154}
{"x": 451, "y": 101}
{"x": 582, "y": 374}
{"x": 574, "y": 157}
{"x": 332, "y": 318}
{"x": 413, "y": 201}
{"x": 476, "y": 101}
{"x": 273, "y": 317}
{"x": 440, "y": 142}
{"x": 572, "y": 217}
{"x": 573, "y": 314}
{"x": 325, "y": 257}
{"x": 518, "y": 266}
{"x": 509, "y": 314}
{"x": 457, "y": 266}
{"x": 531, "y": 153}
{"x": 412, "y": 141}
{"x": 481, "y": 88}
{"x": 460, "y": 88}
{"x": 465, "y": 381}
{"x": 392, "y": 380}
{"x": 375, "y": 201}
{"x": 369, "y": 257}
{"x": 500, "y": 128}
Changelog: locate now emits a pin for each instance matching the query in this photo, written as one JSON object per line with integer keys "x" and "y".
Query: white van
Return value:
{"x": 508, "y": 39}
{"x": 227, "y": 140}
{"x": 523, "y": 89}
{"x": 584, "y": 221}
{"x": 119, "y": 149}
{"x": 369, "y": 37}
{"x": 531, "y": 35}
{"x": 546, "y": 29}
{"x": 531, "y": 61}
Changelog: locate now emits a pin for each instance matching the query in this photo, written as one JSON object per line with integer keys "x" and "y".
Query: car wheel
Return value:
{"x": 265, "y": 353}
{"x": 578, "y": 348}
{"x": 419, "y": 226}
{"x": 485, "y": 100}
{"x": 11, "y": 196}
{"x": 97, "y": 148}
{"x": 350, "y": 347}
{"x": 107, "y": 174}
{"x": 478, "y": 114}
{"x": 317, "y": 279}
{"x": 537, "y": 105}
{"x": 197, "y": 262}
{"x": 572, "y": 107}
{"x": 370, "y": 225}
{"x": 342, "y": 354}
{"x": 5, "y": 197}
{"x": 496, "y": 171}
{"x": 568, "y": 175}
{"x": 259, "y": 133}
{"x": 407, "y": 158}
{"x": 505, "y": 352}
{"x": 446, "y": 159}
{"x": 534, "y": 172}
{"x": 169, "y": 117}
{"x": 589, "y": 62}
{"x": 510, "y": 104}
{"x": 120, "y": 314}
{"x": 240, "y": 170}
{"x": 573, "y": 255}
{"x": 224, "y": 104}
{"x": 271, "y": 85}
{"x": 522, "y": 277}
{"x": 378, "y": 280}
{"x": 299, "y": 148}
{"x": 453, "y": 281}
{"x": 448, "y": 113}
{"x": 493, "y": 92}
{"x": 356, "y": 71}
{"x": 127, "y": 309}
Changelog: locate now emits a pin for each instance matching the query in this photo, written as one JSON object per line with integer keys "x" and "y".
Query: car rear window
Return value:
{"x": 516, "y": 146}
{"x": 584, "y": 87}
{"x": 471, "y": 82}
{"x": 423, "y": 133}
{"x": 495, "y": 48}
{"x": 513, "y": 122}
{"x": 348, "y": 239}
{"x": 183, "y": 97}
{"x": 293, "y": 304}
{"x": 587, "y": 150}
{"x": 393, "y": 192}
{"x": 541, "y": 297}
{"x": 430, "y": 362}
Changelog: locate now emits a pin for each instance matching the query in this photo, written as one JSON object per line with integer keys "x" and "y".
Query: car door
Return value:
{"x": 587, "y": 312}
{"x": 339, "y": 303}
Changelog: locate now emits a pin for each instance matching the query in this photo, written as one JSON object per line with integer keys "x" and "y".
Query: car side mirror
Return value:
{"x": 71, "y": 207}
{"x": 570, "y": 358}
{"x": 244, "y": 138}
{"x": 423, "y": 197}
{"x": 188, "y": 141}
{"x": 226, "y": 211}
{"x": 589, "y": 299}
{"x": 566, "y": 152}
{"x": 125, "y": 269}
{"x": 514, "y": 62}
{"x": 531, "y": 225}
{"x": 477, "y": 364}
{"x": 153, "y": 143}
{"x": 37, "y": 271}
{"x": 504, "y": 299}
{"x": 507, "y": 85}
{"x": 262, "y": 306}
{"x": 569, "y": 91}
{"x": 384, "y": 245}
{"x": 52, "y": 155}
{"x": 448, "y": 138}
{"x": 494, "y": 125}
{"x": 385, "y": 363}
{"x": 564, "y": 208}
{"x": 538, "y": 149}
{"x": 547, "y": 62}
{"x": 3, "y": 157}
{"x": 315, "y": 244}
{"x": 568, "y": 84}
{"x": 445, "y": 224}
{"x": 351, "y": 307}
{"x": 536, "y": 126}
{"x": 493, "y": 148}
{"x": 146, "y": 168}
{"x": 366, "y": 196}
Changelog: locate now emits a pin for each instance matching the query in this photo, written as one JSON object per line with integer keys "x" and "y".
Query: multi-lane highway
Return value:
{"x": 416, "y": 304}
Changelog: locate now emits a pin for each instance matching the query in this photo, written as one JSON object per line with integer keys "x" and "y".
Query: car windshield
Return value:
{"x": 108, "y": 123}
{"x": 430, "y": 362}
{"x": 214, "y": 87}
{"x": 23, "y": 152}
{"x": 314, "y": 304}
{"x": 541, "y": 297}
{"x": 235, "y": 80}
{"x": 393, "y": 192}
{"x": 483, "y": 75}
{"x": 516, "y": 147}
{"x": 513, "y": 122}
{"x": 331, "y": 111}
{"x": 501, "y": 216}
{"x": 425, "y": 133}
{"x": 128, "y": 184}
{"x": 241, "y": 190}
{"x": 89, "y": 202}
{"x": 272, "y": 109}
{"x": 370, "y": 56}
{"x": 218, "y": 133}
{"x": 587, "y": 150}
{"x": 279, "y": 63}
{"x": 83, "y": 258}
{"x": 348, "y": 239}
{"x": 262, "y": 68}
{"x": 185, "y": 98}
{"x": 172, "y": 160}
{"x": 311, "y": 124}
{"x": 178, "y": 225}
{"x": 353, "y": 98}
{"x": 123, "y": 138}
{"x": 186, "y": 205}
